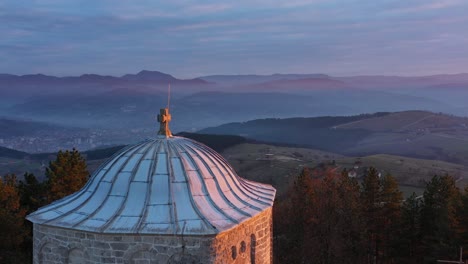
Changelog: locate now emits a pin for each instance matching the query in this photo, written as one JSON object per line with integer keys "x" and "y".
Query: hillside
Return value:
{"x": 410, "y": 172}
{"x": 280, "y": 165}
{"x": 416, "y": 134}
{"x": 11, "y": 153}
{"x": 13, "y": 161}
{"x": 277, "y": 165}
{"x": 273, "y": 164}
{"x": 252, "y": 78}
{"x": 18, "y": 127}
{"x": 314, "y": 132}
{"x": 410, "y": 121}
{"x": 131, "y": 101}
{"x": 136, "y": 107}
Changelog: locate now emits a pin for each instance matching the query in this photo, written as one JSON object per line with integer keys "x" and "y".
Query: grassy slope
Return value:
{"x": 250, "y": 161}
{"x": 411, "y": 173}
{"x": 417, "y": 134}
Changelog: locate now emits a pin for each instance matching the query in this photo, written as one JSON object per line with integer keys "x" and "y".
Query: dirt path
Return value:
{"x": 415, "y": 122}
{"x": 350, "y": 123}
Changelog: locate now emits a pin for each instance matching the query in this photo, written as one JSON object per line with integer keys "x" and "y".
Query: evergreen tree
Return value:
{"x": 439, "y": 219}
{"x": 292, "y": 217}
{"x": 372, "y": 203}
{"x": 336, "y": 224}
{"x": 352, "y": 217}
{"x": 390, "y": 214}
{"x": 323, "y": 232}
{"x": 408, "y": 247}
{"x": 31, "y": 192}
{"x": 32, "y": 196}
{"x": 302, "y": 198}
{"x": 66, "y": 175}
{"x": 463, "y": 223}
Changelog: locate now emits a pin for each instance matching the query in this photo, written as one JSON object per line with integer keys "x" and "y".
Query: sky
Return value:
{"x": 195, "y": 38}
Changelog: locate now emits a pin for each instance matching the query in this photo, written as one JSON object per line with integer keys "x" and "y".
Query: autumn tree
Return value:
{"x": 66, "y": 175}
{"x": 320, "y": 220}
{"x": 334, "y": 232}
{"x": 12, "y": 216}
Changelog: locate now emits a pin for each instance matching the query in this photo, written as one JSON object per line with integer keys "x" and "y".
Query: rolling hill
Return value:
{"x": 18, "y": 162}
{"x": 269, "y": 163}
{"x": 19, "y": 127}
{"x": 416, "y": 134}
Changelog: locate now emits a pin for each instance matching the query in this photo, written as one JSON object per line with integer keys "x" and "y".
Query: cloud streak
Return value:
{"x": 188, "y": 38}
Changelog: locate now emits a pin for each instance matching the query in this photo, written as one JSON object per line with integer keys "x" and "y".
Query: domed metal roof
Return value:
{"x": 167, "y": 185}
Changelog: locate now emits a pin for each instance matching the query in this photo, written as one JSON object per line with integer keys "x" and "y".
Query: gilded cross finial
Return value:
{"x": 164, "y": 118}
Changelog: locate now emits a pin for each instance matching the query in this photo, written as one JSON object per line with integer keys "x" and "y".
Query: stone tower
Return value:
{"x": 165, "y": 200}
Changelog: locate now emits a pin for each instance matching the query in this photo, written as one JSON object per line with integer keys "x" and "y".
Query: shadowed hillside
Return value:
{"x": 413, "y": 133}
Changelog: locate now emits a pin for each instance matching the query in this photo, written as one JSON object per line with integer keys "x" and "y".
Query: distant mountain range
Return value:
{"x": 255, "y": 79}
{"x": 37, "y": 84}
{"x": 142, "y": 76}
{"x": 131, "y": 101}
{"x": 25, "y": 86}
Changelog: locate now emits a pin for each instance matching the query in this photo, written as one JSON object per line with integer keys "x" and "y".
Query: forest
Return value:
{"x": 325, "y": 217}
{"x": 328, "y": 217}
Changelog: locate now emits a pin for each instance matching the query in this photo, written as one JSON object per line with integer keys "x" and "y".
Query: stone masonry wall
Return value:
{"x": 56, "y": 245}
{"x": 249, "y": 242}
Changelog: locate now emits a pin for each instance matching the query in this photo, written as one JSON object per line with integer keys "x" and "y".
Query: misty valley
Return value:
{"x": 311, "y": 136}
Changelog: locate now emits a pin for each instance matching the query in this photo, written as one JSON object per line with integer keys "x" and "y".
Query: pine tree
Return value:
{"x": 31, "y": 192}
{"x": 371, "y": 201}
{"x": 408, "y": 247}
{"x": 352, "y": 216}
{"x": 336, "y": 227}
{"x": 66, "y": 175}
{"x": 462, "y": 229}
{"x": 439, "y": 219}
{"x": 302, "y": 198}
{"x": 390, "y": 214}
{"x": 292, "y": 217}
{"x": 323, "y": 232}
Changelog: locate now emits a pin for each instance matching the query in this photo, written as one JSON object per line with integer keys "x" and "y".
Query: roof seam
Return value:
{"x": 137, "y": 147}
{"x": 79, "y": 193}
{"x": 216, "y": 180}
{"x": 235, "y": 178}
{"x": 149, "y": 191}
{"x": 194, "y": 204}
{"x": 133, "y": 175}
{"x": 218, "y": 208}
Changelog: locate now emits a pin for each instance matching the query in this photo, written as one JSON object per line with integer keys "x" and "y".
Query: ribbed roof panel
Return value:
{"x": 169, "y": 185}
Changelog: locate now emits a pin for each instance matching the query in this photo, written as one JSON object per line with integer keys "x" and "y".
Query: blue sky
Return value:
{"x": 193, "y": 38}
